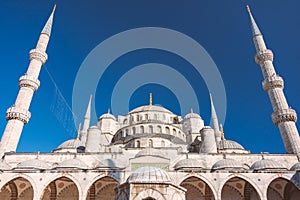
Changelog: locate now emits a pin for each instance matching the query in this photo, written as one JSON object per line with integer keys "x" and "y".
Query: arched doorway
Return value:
{"x": 61, "y": 189}
{"x": 239, "y": 189}
{"x": 17, "y": 189}
{"x": 103, "y": 189}
{"x": 282, "y": 189}
{"x": 197, "y": 189}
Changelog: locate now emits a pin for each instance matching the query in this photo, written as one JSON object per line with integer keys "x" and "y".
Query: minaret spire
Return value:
{"x": 214, "y": 120}
{"x": 19, "y": 114}
{"x": 283, "y": 116}
{"x": 87, "y": 119}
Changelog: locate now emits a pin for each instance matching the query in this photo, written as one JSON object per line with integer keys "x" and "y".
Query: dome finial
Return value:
{"x": 108, "y": 110}
{"x": 192, "y": 110}
{"x": 222, "y": 132}
{"x": 248, "y": 8}
{"x": 78, "y": 132}
{"x": 150, "y": 99}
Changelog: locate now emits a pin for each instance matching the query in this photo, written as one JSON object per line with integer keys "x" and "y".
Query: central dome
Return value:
{"x": 150, "y": 108}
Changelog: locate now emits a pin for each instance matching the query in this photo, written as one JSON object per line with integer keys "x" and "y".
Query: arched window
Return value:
{"x": 151, "y": 129}
{"x": 138, "y": 144}
{"x": 150, "y": 143}
{"x": 138, "y": 118}
{"x": 146, "y": 116}
{"x": 159, "y": 129}
{"x": 155, "y": 116}
{"x": 142, "y": 129}
{"x": 126, "y": 132}
{"x": 167, "y": 130}
{"x": 163, "y": 144}
{"x": 174, "y": 131}
{"x": 125, "y": 121}
{"x": 132, "y": 118}
{"x": 133, "y": 130}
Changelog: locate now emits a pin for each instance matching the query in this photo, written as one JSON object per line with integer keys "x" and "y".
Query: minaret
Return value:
{"x": 19, "y": 114}
{"x": 283, "y": 116}
{"x": 86, "y": 122}
{"x": 214, "y": 120}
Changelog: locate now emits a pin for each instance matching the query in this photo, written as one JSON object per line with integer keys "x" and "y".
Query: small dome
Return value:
{"x": 229, "y": 144}
{"x": 228, "y": 164}
{"x": 111, "y": 163}
{"x": 107, "y": 116}
{"x": 150, "y": 152}
{"x": 192, "y": 115}
{"x": 150, "y": 108}
{"x": 149, "y": 174}
{"x": 188, "y": 163}
{"x": 71, "y": 144}
{"x": 72, "y": 163}
{"x": 4, "y": 166}
{"x": 267, "y": 164}
{"x": 296, "y": 167}
{"x": 33, "y": 164}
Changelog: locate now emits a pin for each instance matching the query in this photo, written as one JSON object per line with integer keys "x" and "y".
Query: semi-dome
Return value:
{"x": 229, "y": 164}
{"x": 229, "y": 144}
{"x": 149, "y": 174}
{"x": 72, "y": 163}
{"x": 267, "y": 164}
{"x": 4, "y": 166}
{"x": 188, "y": 163}
{"x": 33, "y": 164}
{"x": 296, "y": 167}
{"x": 150, "y": 108}
{"x": 150, "y": 152}
{"x": 71, "y": 144}
{"x": 107, "y": 116}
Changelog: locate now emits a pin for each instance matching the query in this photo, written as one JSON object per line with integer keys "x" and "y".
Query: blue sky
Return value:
{"x": 221, "y": 27}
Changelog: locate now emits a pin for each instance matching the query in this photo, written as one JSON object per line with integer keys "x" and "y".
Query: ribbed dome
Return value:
{"x": 149, "y": 174}
{"x": 150, "y": 152}
{"x": 33, "y": 164}
{"x": 296, "y": 167}
{"x": 72, "y": 163}
{"x": 228, "y": 164}
{"x": 150, "y": 108}
{"x": 229, "y": 144}
{"x": 192, "y": 115}
{"x": 188, "y": 163}
{"x": 71, "y": 144}
{"x": 267, "y": 164}
{"x": 4, "y": 166}
{"x": 107, "y": 116}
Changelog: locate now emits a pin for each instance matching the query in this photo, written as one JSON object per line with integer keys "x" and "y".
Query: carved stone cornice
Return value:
{"x": 284, "y": 115}
{"x": 273, "y": 82}
{"x": 18, "y": 113}
{"x": 38, "y": 55}
{"x": 263, "y": 56}
{"x": 28, "y": 81}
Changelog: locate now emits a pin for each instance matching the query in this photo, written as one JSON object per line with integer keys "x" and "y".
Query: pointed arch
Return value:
{"x": 61, "y": 188}
{"x": 196, "y": 188}
{"x": 18, "y": 188}
{"x": 103, "y": 188}
{"x": 281, "y": 188}
{"x": 240, "y": 189}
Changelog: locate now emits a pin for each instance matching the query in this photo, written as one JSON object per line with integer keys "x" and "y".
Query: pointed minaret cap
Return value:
{"x": 255, "y": 29}
{"x": 88, "y": 110}
{"x": 213, "y": 110}
{"x": 48, "y": 26}
{"x": 78, "y": 132}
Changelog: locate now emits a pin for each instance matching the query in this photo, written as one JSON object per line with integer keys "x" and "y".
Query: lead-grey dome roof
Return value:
{"x": 149, "y": 174}
{"x": 150, "y": 108}
{"x": 188, "y": 163}
{"x": 107, "y": 116}
{"x": 150, "y": 152}
{"x": 33, "y": 164}
{"x": 229, "y": 144}
{"x": 72, "y": 163}
{"x": 71, "y": 144}
{"x": 267, "y": 164}
{"x": 192, "y": 115}
{"x": 296, "y": 167}
{"x": 229, "y": 164}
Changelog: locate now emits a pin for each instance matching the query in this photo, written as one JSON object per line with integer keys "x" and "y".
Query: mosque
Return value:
{"x": 150, "y": 153}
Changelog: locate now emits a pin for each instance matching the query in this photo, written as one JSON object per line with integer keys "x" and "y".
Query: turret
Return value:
{"x": 208, "y": 141}
{"x": 19, "y": 114}
{"x": 283, "y": 116}
{"x": 93, "y": 140}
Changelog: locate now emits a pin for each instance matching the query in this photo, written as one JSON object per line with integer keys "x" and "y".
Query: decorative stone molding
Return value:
{"x": 18, "y": 113}
{"x": 38, "y": 55}
{"x": 262, "y": 56}
{"x": 284, "y": 115}
{"x": 28, "y": 81}
{"x": 273, "y": 82}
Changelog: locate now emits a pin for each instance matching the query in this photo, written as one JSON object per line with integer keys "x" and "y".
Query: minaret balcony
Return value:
{"x": 28, "y": 81}
{"x": 18, "y": 113}
{"x": 263, "y": 56}
{"x": 284, "y": 115}
{"x": 38, "y": 55}
{"x": 272, "y": 82}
